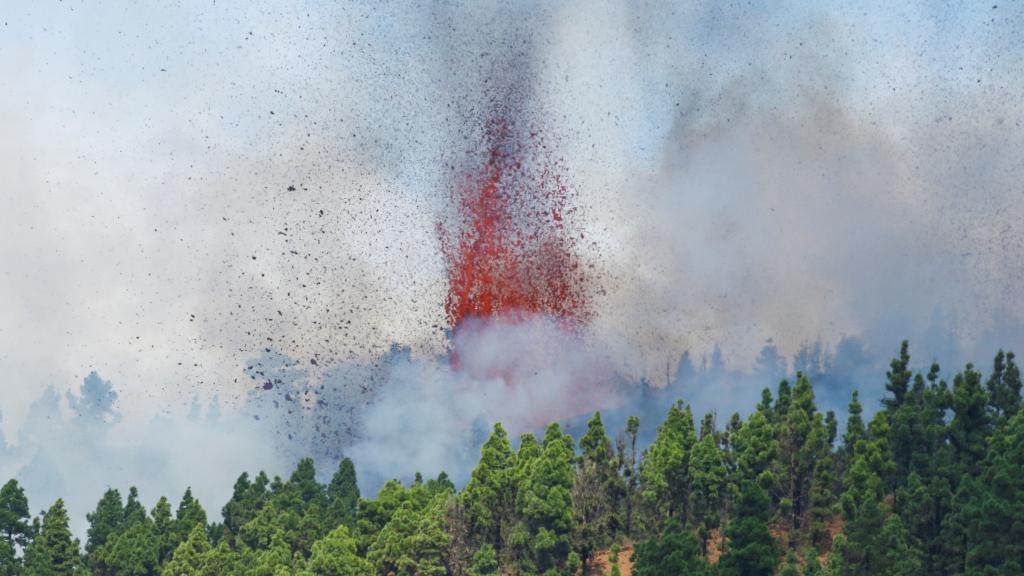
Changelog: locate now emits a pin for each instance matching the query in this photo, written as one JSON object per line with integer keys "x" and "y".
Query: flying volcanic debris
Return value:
{"x": 510, "y": 253}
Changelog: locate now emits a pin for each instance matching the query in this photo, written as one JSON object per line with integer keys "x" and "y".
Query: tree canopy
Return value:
{"x": 928, "y": 481}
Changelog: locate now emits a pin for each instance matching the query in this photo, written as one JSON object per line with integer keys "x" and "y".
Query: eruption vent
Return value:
{"x": 509, "y": 253}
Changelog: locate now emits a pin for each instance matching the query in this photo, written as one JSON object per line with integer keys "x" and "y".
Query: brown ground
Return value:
{"x": 715, "y": 542}
{"x": 834, "y": 527}
{"x": 599, "y": 564}
{"x": 781, "y": 534}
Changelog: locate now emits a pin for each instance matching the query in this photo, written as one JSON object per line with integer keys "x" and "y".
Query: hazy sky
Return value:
{"x": 183, "y": 184}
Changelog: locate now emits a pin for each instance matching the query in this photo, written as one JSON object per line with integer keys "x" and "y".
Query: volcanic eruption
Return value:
{"x": 518, "y": 291}
{"x": 510, "y": 252}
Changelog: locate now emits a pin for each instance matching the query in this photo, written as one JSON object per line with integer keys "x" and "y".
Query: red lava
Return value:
{"x": 509, "y": 254}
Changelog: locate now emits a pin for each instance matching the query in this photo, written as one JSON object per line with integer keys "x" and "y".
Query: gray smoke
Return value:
{"x": 252, "y": 213}
{"x": 76, "y": 448}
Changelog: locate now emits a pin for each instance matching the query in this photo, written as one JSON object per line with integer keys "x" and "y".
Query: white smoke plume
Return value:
{"x": 179, "y": 202}
{"x": 430, "y": 417}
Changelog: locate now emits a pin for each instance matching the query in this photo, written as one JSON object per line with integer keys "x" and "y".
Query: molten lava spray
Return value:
{"x": 511, "y": 255}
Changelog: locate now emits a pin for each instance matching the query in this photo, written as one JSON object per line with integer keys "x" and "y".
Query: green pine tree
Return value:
{"x": 596, "y": 493}
{"x": 15, "y": 528}
{"x": 487, "y": 498}
{"x": 335, "y": 555}
{"x": 708, "y": 485}
{"x": 665, "y": 469}
{"x": 54, "y": 552}
{"x": 1004, "y": 387}
{"x": 189, "y": 514}
{"x": 485, "y": 562}
{"x": 970, "y": 427}
{"x": 545, "y": 501}
{"x": 105, "y": 521}
{"x": 247, "y": 500}
{"x": 993, "y": 515}
{"x": 343, "y": 496}
{"x": 676, "y": 553}
{"x": 164, "y": 530}
{"x": 135, "y": 551}
{"x": 752, "y": 550}
{"x": 413, "y": 542}
{"x": 190, "y": 556}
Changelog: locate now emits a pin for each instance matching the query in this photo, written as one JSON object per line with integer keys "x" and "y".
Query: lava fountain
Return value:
{"x": 510, "y": 253}
{"x": 518, "y": 293}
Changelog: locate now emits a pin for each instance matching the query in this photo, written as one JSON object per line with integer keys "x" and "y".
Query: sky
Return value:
{"x": 188, "y": 185}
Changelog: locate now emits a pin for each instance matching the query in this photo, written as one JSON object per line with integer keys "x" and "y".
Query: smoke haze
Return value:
{"x": 241, "y": 202}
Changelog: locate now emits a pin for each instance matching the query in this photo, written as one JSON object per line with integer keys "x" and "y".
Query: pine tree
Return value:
{"x": 970, "y": 427}
{"x": 674, "y": 554}
{"x": 335, "y": 555}
{"x": 134, "y": 511}
{"x": 751, "y": 549}
{"x": 54, "y": 552}
{"x": 247, "y": 500}
{"x": 224, "y": 560}
{"x": 413, "y": 541}
{"x": 757, "y": 450}
{"x": 784, "y": 398}
{"x": 10, "y": 564}
{"x": 190, "y": 557}
{"x": 519, "y": 551}
{"x": 904, "y": 413}
{"x": 993, "y": 514}
{"x": 487, "y": 496}
{"x": 855, "y": 431}
{"x": 106, "y": 520}
{"x": 766, "y": 403}
{"x": 343, "y": 496}
{"x": 372, "y": 514}
{"x": 898, "y": 378}
{"x": 596, "y": 492}
{"x": 485, "y": 562}
{"x": 164, "y": 529}
{"x": 826, "y": 485}
{"x": 708, "y": 474}
{"x": 897, "y": 556}
{"x": 630, "y": 471}
{"x": 802, "y": 444}
{"x": 135, "y": 551}
{"x": 303, "y": 489}
{"x": 590, "y": 512}
{"x": 871, "y": 530}
{"x": 665, "y": 469}
{"x": 594, "y": 444}
{"x": 546, "y": 500}
{"x": 15, "y": 529}
{"x": 924, "y": 506}
{"x": 275, "y": 559}
{"x": 1004, "y": 387}
{"x": 189, "y": 514}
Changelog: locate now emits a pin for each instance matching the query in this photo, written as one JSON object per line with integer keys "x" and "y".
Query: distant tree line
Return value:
{"x": 932, "y": 485}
